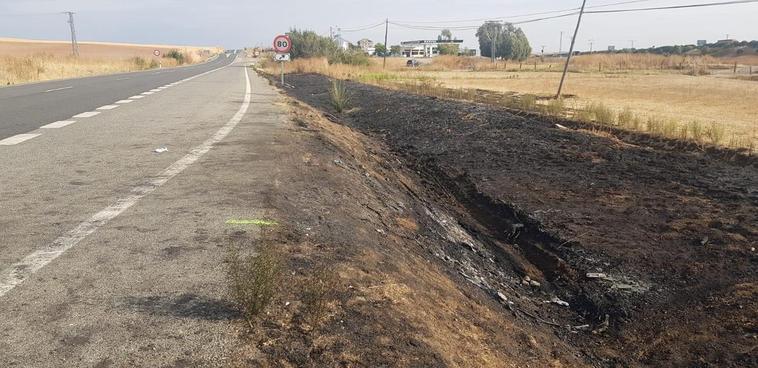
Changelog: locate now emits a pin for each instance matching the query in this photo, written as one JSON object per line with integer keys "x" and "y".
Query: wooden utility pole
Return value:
{"x": 571, "y": 50}
{"x": 386, "y": 47}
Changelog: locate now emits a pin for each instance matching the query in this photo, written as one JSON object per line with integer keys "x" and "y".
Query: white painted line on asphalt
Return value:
{"x": 58, "y": 124}
{"x": 147, "y": 93}
{"x": 107, "y": 107}
{"x": 87, "y": 114}
{"x": 16, "y": 139}
{"x": 23, "y": 269}
{"x": 124, "y": 101}
{"x": 136, "y": 97}
{"x": 120, "y": 79}
{"x": 155, "y": 90}
{"x": 58, "y": 89}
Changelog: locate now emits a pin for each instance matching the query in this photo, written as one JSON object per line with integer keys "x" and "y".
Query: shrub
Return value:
{"x": 339, "y": 96}
{"x": 527, "y": 103}
{"x": 176, "y": 55}
{"x": 252, "y": 280}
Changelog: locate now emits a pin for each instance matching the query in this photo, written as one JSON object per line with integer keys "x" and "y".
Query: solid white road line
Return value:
{"x": 58, "y": 89}
{"x": 16, "y": 139}
{"x": 87, "y": 114}
{"x": 136, "y": 97}
{"x": 58, "y": 124}
{"x": 22, "y": 270}
{"x": 107, "y": 107}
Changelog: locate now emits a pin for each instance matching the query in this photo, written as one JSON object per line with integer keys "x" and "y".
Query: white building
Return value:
{"x": 341, "y": 42}
{"x": 424, "y": 48}
{"x": 367, "y": 46}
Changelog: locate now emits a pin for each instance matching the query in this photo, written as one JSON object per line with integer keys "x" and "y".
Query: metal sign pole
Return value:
{"x": 282, "y": 63}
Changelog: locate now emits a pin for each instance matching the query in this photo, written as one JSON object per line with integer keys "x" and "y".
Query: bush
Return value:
{"x": 349, "y": 57}
{"x": 339, "y": 96}
{"x": 600, "y": 113}
{"x": 176, "y": 55}
{"x": 252, "y": 280}
{"x": 626, "y": 118}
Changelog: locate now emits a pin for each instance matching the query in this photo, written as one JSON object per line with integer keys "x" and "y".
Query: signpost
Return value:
{"x": 157, "y": 53}
{"x": 282, "y": 46}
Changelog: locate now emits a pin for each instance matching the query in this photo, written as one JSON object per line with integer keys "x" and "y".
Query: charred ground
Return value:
{"x": 669, "y": 231}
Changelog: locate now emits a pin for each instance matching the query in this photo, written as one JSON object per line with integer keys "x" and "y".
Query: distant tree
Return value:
{"x": 381, "y": 50}
{"x": 447, "y": 49}
{"x": 509, "y": 42}
{"x": 308, "y": 44}
{"x": 446, "y": 35}
{"x": 488, "y": 35}
{"x": 396, "y": 50}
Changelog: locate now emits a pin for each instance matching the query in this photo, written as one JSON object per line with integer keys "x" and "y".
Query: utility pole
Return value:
{"x": 591, "y": 41}
{"x": 560, "y": 45}
{"x": 492, "y": 35}
{"x": 386, "y": 47}
{"x": 74, "y": 43}
{"x": 632, "y": 41}
{"x": 571, "y": 50}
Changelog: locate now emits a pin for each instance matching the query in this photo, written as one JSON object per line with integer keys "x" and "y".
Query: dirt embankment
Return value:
{"x": 407, "y": 289}
{"x": 653, "y": 249}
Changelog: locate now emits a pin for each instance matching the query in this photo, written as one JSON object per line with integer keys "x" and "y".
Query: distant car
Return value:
{"x": 412, "y": 63}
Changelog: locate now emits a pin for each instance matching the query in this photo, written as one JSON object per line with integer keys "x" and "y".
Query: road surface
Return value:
{"x": 30, "y": 106}
{"x": 112, "y": 254}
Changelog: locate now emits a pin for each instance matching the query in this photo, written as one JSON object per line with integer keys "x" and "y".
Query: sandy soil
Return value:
{"x": 653, "y": 247}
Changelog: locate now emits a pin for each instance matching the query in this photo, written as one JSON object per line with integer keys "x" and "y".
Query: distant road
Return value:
{"x": 27, "y": 107}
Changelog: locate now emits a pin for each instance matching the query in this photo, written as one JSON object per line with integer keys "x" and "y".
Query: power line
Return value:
{"x": 575, "y": 10}
{"x": 672, "y": 7}
{"x": 359, "y": 29}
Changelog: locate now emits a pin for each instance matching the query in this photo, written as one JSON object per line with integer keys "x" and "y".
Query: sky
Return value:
{"x": 237, "y": 23}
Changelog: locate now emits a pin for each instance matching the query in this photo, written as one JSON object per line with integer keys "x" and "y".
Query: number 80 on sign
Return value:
{"x": 282, "y": 44}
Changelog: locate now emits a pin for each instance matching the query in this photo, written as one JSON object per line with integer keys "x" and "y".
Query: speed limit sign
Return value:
{"x": 157, "y": 52}
{"x": 282, "y": 44}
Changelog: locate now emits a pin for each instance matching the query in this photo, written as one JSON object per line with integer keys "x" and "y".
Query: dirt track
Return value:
{"x": 670, "y": 232}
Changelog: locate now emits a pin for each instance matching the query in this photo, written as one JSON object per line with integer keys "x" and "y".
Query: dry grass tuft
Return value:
{"x": 252, "y": 279}
{"x": 318, "y": 291}
{"x": 339, "y": 96}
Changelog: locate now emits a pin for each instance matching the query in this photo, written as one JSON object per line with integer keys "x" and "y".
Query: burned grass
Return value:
{"x": 635, "y": 235}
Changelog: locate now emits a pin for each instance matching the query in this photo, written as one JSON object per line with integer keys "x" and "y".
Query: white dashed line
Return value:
{"x": 58, "y": 89}
{"x": 155, "y": 90}
{"x": 136, "y": 97}
{"x": 16, "y": 139}
{"x": 147, "y": 93}
{"x": 120, "y": 79}
{"x": 107, "y": 107}
{"x": 124, "y": 101}
{"x": 18, "y": 272}
{"x": 58, "y": 124}
{"x": 87, "y": 114}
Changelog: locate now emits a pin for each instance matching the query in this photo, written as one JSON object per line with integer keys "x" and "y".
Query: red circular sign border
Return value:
{"x": 289, "y": 44}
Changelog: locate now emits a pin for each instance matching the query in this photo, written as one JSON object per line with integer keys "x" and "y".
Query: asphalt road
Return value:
{"x": 111, "y": 254}
{"x": 27, "y": 107}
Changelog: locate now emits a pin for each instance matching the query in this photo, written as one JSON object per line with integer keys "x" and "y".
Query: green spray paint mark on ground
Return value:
{"x": 257, "y": 222}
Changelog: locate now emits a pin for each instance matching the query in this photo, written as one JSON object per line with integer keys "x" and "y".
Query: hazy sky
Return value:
{"x": 237, "y": 23}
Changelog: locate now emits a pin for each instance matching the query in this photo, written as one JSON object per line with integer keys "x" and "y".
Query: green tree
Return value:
{"x": 510, "y": 42}
{"x": 381, "y": 50}
{"x": 396, "y": 50}
{"x": 446, "y": 35}
{"x": 308, "y": 44}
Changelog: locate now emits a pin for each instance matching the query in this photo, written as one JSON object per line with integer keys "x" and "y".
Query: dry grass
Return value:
{"x": 252, "y": 279}
{"x": 30, "y": 61}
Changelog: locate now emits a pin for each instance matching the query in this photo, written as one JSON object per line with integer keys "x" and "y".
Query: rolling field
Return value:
{"x": 23, "y": 61}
